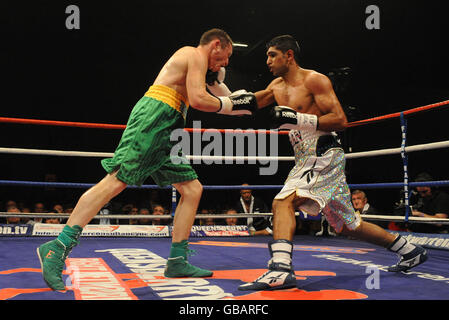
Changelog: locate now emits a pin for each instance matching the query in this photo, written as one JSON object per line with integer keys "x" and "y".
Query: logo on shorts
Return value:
{"x": 295, "y": 137}
{"x": 309, "y": 173}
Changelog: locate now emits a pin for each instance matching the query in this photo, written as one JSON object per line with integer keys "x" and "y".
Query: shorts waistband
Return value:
{"x": 307, "y": 135}
{"x": 169, "y": 96}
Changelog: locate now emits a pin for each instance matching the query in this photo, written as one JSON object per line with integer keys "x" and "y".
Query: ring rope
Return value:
{"x": 351, "y": 155}
{"x": 63, "y": 123}
{"x": 218, "y": 187}
{"x": 129, "y": 216}
{"x": 386, "y": 185}
{"x": 398, "y": 114}
{"x": 222, "y": 216}
{"x": 402, "y": 150}
{"x": 121, "y": 127}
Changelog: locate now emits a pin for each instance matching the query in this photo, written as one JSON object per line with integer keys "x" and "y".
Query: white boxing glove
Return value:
{"x": 221, "y": 75}
{"x": 216, "y": 86}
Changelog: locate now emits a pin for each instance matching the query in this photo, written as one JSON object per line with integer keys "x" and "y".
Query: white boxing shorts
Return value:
{"x": 319, "y": 177}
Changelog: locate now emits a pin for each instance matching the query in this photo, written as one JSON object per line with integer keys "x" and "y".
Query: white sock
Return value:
{"x": 281, "y": 251}
{"x": 401, "y": 246}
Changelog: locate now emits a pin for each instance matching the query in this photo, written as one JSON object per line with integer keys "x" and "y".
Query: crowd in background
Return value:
{"x": 425, "y": 201}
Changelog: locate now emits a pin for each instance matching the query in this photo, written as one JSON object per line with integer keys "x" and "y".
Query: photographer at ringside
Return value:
{"x": 431, "y": 203}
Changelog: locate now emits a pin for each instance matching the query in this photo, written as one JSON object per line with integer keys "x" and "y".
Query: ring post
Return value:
{"x": 405, "y": 162}
{"x": 173, "y": 201}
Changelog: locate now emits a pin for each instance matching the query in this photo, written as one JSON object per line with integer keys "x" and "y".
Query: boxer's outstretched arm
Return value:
{"x": 265, "y": 97}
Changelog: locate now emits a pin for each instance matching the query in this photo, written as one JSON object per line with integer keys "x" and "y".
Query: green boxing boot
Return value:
{"x": 52, "y": 256}
{"x": 177, "y": 265}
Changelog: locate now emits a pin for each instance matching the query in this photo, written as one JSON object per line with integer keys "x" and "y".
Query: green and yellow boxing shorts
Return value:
{"x": 144, "y": 149}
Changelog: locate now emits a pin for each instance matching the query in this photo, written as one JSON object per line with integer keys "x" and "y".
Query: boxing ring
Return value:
{"x": 126, "y": 262}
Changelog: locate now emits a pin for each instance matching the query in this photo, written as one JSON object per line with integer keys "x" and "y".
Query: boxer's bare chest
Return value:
{"x": 295, "y": 96}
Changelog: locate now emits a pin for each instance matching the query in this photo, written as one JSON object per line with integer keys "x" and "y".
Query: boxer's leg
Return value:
{"x": 410, "y": 255}
{"x": 280, "y": 274}
{"x": 91, "y": 202}
{"x": 187, "y": 206}
{"x": 177, "y": 265}
{"x": 370, "y": 233}
{"x": 284, "y": 222}
{"x": 52, "y": 254}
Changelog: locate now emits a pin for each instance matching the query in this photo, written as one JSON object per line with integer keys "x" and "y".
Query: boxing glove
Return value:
{"x": 211, "y": 77}
{"x": 286, "y": 118}
{"x": 221, "y": 74}
{"x": 215, "y": 84}
{"x": 238, "y": 103}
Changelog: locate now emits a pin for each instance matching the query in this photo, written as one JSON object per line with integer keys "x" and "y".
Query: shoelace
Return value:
{"x": 190, "y": 252}
{"x": 262, "y": 276}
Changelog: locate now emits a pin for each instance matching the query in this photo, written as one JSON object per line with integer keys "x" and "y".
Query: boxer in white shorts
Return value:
{"x": 309, "y": 107}
{"x": 318, "y": 178}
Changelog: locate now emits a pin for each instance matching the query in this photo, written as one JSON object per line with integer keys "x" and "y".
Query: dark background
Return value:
{"x": 97, "y": 74}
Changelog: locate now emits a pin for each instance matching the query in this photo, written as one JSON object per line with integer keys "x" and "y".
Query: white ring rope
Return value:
{"x": 61, "y": 153}
{"x": 352, "y": 155}
{"x": 220, "y": 216}
{"x": 381, "y": 152}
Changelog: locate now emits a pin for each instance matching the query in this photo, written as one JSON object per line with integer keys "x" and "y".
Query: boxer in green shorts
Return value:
{"x": 144, "y": 150}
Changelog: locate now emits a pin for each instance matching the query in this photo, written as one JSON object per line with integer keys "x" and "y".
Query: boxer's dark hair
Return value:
{"x": 285, "y": 43}
{"x": 213, "y": 34}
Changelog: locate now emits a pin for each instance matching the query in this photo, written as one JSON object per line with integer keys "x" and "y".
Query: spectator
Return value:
{"x": 134, "y": 211}
{"x": 53, "y": 220}
{"x": 206, "y": 221}
{"x": 58, "y": 208}
{"x": 159, "y": 210}
{"x": 361, "y": 205}
{"x": 106, "y": 210}
{"x": 11, "y": 203}
{"x": 128, "y": 209}
{"x": 146, "y": 221}
{"x": 39, "y": 207}
{"x": 8, "y": 204}
{"x": 13, "y": 220}
{"x": 25, "y": 210}
{"x": 261, "y": 227}
{"x": 431, "y": 203}
{"x": 231, "y": 221}
{"x": 249, "y": 204}
{"x": 68, "y": 208}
